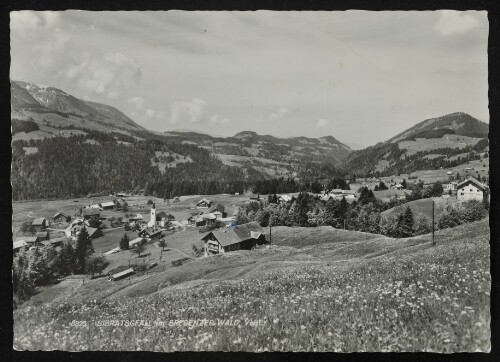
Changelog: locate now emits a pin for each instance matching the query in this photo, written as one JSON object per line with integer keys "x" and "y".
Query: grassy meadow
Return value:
{"x": 335, "y": 292}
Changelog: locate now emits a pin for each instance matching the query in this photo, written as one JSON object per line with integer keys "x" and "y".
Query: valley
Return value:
{"x": 340, "y": 257}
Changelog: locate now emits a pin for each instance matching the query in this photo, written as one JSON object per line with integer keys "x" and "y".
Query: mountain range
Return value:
{"x": 429, "y": 142}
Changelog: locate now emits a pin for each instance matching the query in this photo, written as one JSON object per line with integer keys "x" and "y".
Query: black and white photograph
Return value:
{"x": 257, "y": 181}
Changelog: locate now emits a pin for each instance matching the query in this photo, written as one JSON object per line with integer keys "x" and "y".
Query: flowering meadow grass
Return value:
{"x": 426, "y": 299}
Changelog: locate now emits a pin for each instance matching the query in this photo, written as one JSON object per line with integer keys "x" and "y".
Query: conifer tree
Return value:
{"x": 124, "y": 242}
{"x": 84, "y": 248}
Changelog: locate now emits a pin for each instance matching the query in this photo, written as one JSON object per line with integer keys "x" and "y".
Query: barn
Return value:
{"x": 40, "y": 224}
{"x": 241, "y": 237}
{"x": 59, "y": 217}
{"x": 204, "y": 204}
{"x": 91, "y": 213}
{"x": 110, "y": 205}
{"x": 124, "y": 274}
{"x": 218, "y": 209}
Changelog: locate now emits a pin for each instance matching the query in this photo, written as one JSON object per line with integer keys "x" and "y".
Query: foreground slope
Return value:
{"x": 369, "y": 293}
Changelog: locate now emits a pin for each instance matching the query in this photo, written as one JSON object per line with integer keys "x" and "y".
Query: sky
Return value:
{"x": 359, "y": 76}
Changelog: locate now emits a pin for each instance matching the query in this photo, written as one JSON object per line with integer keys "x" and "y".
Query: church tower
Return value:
{"x": 152, "y": 220}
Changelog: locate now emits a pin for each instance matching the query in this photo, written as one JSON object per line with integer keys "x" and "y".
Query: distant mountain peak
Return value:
{"x": 42, "y": 102}
{"x": 243, "y": 134}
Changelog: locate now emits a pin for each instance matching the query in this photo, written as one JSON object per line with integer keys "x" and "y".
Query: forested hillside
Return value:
{"x": 442, "y": 142}
{"x": 67, "y": 167}
{"x": 97, "y": 162}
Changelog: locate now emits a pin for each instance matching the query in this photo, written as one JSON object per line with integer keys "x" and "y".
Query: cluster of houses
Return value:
{"x": 207, "y": 214}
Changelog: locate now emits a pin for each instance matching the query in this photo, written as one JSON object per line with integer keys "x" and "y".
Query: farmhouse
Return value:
{"x": 470, "y": 189}
{"x": 348, "y": 194}
{"x": 18, "y": 245}
{"x": 40, "y": 224}
{"x": 218, "y": 210}
{"x": 91, "y": 213}
{"x": 77, "y": 229}
{"x": 149, "y": 233}
{"x": 397, "y": 187}
{"x": 283, "y": 199}
{"x": 56, "y": 241}
{"x": 452, "y": 186}
{"x": 194, "y": 218}
{"x": 59, "y": 217}
{"x": 28, "y": 241}
{"x": 107, "y": 205}
{"x": 135, "y": 218}
{"x": 204, "y": 204}
{"x": 43, "y": 235}
{"x": 123, "y": 274}
{"x": 255, "y": 198}
{"x": 240, "y": 237}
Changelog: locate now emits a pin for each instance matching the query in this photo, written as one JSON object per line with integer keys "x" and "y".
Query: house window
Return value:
{"x": 470, "y": 190}
{"x": 462, "y": 194}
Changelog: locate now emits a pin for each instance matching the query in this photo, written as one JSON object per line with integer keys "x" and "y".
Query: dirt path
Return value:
{"x": 180, "y": 252}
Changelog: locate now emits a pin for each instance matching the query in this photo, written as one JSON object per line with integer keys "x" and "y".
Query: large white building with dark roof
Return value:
{"x": 470, "y": 189}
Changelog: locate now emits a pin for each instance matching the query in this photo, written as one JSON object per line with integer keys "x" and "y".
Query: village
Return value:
{"x": 176, "y": 231}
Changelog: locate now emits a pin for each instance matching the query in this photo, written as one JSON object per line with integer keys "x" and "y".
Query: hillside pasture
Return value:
{"x": 421, "y": 207}
{"x": 428, "y": 144}
{"x": 385, "y": 295}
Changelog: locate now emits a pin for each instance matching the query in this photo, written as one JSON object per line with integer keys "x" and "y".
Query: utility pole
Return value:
{"x": 270, "y": 235}
{"x": 433, "y": 240}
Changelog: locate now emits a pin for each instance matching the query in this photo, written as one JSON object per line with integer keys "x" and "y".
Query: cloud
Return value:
{"x": 188, "y": 111}
{"x": 215, "y": 119}
{"x": 138, "y": 102}
{"x": 106, "y": 74}
{"x": 322, "y": 123}
{"x": 279, "y": 113}
{"x": 151, "y": 115}
{"x": 28, "y": 20}
{"x": 455, "y": 22}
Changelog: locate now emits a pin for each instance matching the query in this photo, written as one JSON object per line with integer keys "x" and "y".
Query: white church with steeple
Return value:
{"x": 160, "y": 220}
{"x": 152, "y": 217}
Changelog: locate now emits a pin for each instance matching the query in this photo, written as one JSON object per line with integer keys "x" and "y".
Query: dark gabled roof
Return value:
{"x": 91, "y": 211}
{"x": 90, "y": 231}
{"x": 473, "y": 181}
{"x": 164, "y": 215}
{"x": 244, "y": 230}
{"x": 31, "y": 239}
{"x": 59, "y": 213}
{"x": 149, "y": 232}
{"x": 235, "y": 235}
{"x": 218, "y": 207}
{"x": 225, "y": 237}
{"x": 124, "y": 273}
{"x": 207, "y": 201}
{"x": 38, "y": 221}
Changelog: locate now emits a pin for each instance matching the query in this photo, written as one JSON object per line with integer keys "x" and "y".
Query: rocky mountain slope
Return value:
{"x": 53, "y": 108}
